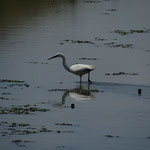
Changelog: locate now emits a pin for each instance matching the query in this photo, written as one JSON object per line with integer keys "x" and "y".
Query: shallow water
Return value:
{"x": 50, "y": 109}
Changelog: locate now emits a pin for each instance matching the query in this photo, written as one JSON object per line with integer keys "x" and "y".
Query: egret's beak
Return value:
{"x": 52, "y": 57}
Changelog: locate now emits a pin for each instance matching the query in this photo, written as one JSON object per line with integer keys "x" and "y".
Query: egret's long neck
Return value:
{"x": 65, "y": 64}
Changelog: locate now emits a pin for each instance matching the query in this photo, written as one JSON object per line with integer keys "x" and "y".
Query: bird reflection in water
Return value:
{"x": 80, "y": 93}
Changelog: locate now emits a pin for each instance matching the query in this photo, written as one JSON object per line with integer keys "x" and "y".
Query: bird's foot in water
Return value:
{"x": 89, "y": 81}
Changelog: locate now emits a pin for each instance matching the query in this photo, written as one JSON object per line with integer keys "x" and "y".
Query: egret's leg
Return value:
{"x": 89, "y": 78}
{"x": 80, "y": 79}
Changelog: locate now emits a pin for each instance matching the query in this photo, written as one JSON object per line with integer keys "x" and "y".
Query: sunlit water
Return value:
{"x": 113, "y": 35}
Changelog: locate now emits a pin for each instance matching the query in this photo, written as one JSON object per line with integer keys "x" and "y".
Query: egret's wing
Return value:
{"x": 81, "y": 68}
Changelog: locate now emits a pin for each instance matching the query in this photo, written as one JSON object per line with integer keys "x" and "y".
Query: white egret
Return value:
{"x": 77, "y": 69}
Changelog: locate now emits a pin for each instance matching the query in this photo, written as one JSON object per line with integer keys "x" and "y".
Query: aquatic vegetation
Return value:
{"x": 18, "y": 83}
{"x": 45, "y": 130}
{"x": 147, "y": 50}
{"x": 21, "y": 143}
{"x": 60, "y": 147}
{"x": 111, "y": 136}
{"x": 100, "y": 39}
{"x": 87, "y": 58}
{"x": 78, "y": 90}
{"x": 66, "y": 124}
{"x": 105, "y": 13}
{"x": 114, "y": 45}
{"x": 22, "y": 110}
{"x": 54, "y": 90}
{"x": 4, "y": 98}
{"x": 90, "y": 1}
{"x": 122, "y": 32}
{"x": 21, "y": 129}
{"x": 13, "y": 124}
{"x": 35, "y": 62}
{"x": 113, "y": 9}
{"x": 26, "y": 129}
{"x": 64, "y": 131}
{"x": 79, "y": 41}
{"x": 6, "y": 93}
{"x": 11, "y": 81}
{"x": 121, "y": 73}
{"x": 3, "y": 87}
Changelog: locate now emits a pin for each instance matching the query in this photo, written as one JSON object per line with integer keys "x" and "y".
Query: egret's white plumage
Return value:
{"x": 77, "y": 69}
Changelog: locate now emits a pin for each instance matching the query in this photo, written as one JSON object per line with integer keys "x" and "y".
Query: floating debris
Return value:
{"x": 121, "y": 73}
